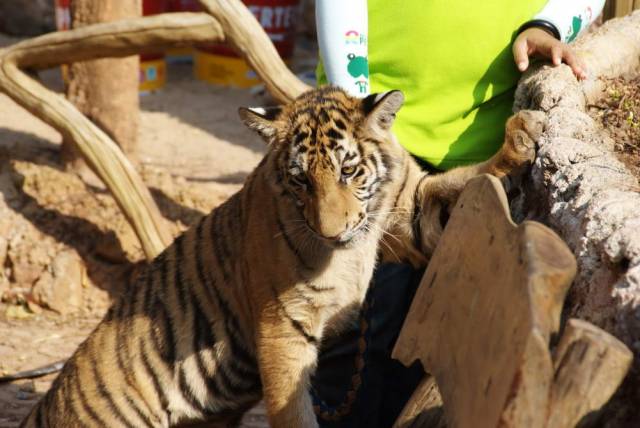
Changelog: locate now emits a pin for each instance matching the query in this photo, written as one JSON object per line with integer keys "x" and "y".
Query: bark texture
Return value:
{"x": 580, "y": 187}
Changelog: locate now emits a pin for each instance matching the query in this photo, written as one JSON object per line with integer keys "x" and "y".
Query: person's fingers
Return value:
{"x": 536, "y": 41}
{"x": 556, "y": 54}
{"x": 521, "y": 53}
{"x": 572, "y": 61}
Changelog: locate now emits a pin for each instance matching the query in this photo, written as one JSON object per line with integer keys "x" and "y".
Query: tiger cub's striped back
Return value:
{"x": 174, "y": 346}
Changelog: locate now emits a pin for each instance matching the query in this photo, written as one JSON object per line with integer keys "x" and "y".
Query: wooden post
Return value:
{"x": 105, "y": 90}
{"x": 483, "y": 316}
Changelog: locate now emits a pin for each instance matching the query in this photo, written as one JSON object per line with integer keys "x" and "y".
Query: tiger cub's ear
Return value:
{"x": 380, "y": 109}
{"x": 261, "y": 120}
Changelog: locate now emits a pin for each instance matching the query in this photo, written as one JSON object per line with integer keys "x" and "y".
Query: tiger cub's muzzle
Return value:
{"x": 337, "y": 215}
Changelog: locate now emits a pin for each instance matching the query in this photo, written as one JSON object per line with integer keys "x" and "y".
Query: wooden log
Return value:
{"x": 121, "y": 38}
{"x": 589, "y": 365}
{"x": 482, "y": 317}
{"x": 247, "y": 36}
{"x": 424, "y": 409}
{"x": 105, "y": 90}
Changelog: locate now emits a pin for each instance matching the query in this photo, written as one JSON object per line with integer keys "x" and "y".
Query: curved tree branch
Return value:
{"x": 120, "y": 38}
{"x": 124, "y": 38}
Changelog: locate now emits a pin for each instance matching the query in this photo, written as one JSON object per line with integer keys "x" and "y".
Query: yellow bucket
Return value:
{"x": 224, "y": 70}
{"x": 180, "y": 55}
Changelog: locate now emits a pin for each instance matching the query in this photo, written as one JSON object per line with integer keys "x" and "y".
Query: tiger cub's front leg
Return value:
{"x": 422, "y": 208}
{"x": 439, "y": 193}
{"x": 518, "y": 151}
{"x": 287, "y": 356}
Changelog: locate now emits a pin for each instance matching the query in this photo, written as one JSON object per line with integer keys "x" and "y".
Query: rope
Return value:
{"x": 335, "y": 413}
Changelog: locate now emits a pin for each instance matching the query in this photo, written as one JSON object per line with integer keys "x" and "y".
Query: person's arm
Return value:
{"x": 342, "y": 37}
{"x": 570, "y": 18}
{"x": 557, "y": 24}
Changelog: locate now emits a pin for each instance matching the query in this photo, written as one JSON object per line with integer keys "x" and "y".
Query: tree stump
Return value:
{"x": 105, "y": 90}
{"x": 482, "y": 320}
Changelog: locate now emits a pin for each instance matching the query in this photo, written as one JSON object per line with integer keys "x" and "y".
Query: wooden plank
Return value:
{"x": 609, "y": 10}
{"x": 589, "y": 366}
{"x": 482, "y": 317}
{"x": 623, "y": 7}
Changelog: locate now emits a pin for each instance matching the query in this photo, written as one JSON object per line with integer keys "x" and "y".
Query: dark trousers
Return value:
{"x": 357, "y": 384}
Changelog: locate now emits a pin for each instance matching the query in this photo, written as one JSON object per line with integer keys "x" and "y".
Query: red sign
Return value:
{"x": 277, "y": 17}
{"x": 153, "y": 7}
{"x": 63, "y": 14}
{"x": 184, "y": 6}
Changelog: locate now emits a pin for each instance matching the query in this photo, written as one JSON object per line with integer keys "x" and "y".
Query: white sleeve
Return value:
{"x": 342, "y": 36}
{"x": 570, "y": 17}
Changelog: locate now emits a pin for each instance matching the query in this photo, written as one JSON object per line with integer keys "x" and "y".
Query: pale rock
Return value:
{"x": 60, "y": 286}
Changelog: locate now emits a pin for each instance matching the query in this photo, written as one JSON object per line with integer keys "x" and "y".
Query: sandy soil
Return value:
{"x": 194, "y": 153}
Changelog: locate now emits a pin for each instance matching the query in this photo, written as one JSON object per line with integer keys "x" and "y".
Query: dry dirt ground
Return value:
{"x": 194, "y": 153}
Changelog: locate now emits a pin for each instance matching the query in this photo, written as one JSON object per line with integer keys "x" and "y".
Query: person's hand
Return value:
{"x": 538, "y": 41}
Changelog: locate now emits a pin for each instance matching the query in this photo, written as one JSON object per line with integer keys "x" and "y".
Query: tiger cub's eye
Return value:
{"x": 348, "y": 171}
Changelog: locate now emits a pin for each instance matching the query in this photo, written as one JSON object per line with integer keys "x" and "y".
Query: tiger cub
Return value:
{"x": 234, "y": 310}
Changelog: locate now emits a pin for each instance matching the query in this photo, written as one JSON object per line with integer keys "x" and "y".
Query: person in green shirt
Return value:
{"x": 454, "y": 61}
{"x": 457, "y": 63}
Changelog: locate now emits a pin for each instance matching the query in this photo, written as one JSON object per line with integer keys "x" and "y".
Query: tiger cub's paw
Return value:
{"x": 522, "y": 132}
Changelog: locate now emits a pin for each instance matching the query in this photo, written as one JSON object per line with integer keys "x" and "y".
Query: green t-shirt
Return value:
{"x": 453, "y": 61}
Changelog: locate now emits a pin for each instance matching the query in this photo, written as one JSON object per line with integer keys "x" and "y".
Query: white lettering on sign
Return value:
{"x": 274, "y": 18}
{"x": 266, "y": 19}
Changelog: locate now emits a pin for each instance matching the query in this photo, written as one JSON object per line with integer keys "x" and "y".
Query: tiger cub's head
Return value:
{"x": 334, "y": 154}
